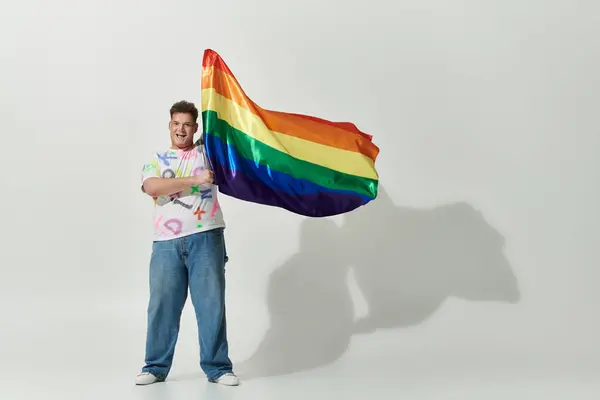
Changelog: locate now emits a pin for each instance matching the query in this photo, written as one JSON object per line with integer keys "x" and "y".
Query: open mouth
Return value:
{"x": 181, "y": 136}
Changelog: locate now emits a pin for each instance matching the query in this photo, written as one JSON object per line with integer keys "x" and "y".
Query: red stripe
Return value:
{"x": 212, "y": 59}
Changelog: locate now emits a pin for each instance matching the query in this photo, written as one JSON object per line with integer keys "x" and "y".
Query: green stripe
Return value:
{"x": 257, "y": 151}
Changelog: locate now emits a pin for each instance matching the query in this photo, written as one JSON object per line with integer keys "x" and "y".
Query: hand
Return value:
{"x": 204, "y": 177}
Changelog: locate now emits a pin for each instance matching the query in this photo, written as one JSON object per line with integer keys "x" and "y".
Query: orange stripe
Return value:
{"x": 340, "y": 135}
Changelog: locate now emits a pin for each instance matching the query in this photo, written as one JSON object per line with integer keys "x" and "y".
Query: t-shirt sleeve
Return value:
{"x": 150, "y": 170}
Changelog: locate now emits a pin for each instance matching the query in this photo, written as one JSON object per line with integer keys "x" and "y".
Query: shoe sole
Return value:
{"x": 224, "y": 384}
{"x": 149, "y": 383}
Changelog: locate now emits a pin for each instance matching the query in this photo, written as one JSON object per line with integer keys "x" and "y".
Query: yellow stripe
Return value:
{"x": 346, "y": 161}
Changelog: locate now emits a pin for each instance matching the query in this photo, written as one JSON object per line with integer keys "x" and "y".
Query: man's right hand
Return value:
{"x": 203, "y": 178}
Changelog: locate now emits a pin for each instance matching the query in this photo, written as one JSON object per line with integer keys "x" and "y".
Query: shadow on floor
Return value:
{"x": 406, "y": 262}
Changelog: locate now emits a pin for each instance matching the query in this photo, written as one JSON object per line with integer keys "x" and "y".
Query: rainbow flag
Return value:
{"x": 306, "y": 165}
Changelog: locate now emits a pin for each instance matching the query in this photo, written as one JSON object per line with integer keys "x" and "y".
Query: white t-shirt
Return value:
{"x": 190, "y": 211}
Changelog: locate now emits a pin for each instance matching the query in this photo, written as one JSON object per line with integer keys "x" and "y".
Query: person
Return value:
{"x": 188, "y": 250}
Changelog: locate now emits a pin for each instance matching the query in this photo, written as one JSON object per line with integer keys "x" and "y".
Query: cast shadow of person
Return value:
{"x": 406, "y": 262}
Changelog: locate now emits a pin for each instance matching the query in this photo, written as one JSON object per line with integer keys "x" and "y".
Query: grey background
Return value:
{"x": 478, "y": 260}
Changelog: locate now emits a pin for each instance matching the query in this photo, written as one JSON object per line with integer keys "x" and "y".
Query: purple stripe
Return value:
{"x": 322, "y": 204}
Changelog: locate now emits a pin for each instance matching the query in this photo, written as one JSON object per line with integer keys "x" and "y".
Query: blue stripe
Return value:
{"x": 227, "y": 156}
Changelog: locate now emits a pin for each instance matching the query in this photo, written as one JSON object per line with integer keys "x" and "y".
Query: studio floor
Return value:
{"x": 62, "y": 354}
{"x": 386, "y": 381}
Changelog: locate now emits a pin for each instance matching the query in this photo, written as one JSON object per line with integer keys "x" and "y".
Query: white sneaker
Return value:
{"x": 228, "y": 379}
{"x": 146, "y": 378}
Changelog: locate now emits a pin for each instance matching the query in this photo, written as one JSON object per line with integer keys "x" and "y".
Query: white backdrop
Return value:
{"x": 480, "y": 254}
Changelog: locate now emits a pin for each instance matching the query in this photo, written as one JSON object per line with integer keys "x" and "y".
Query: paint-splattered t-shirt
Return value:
{"x": 193, "y": 210}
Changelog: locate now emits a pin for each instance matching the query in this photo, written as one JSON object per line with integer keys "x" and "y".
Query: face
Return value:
{"x": 182, "y": 128}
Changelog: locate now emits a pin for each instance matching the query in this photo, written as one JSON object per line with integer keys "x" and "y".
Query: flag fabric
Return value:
{"x": 303, "y": 164}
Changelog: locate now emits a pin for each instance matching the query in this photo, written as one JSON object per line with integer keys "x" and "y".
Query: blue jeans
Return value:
{"x": 197, "y": 261}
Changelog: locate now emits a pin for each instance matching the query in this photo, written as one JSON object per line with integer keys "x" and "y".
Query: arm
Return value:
{"x": 156, "y": 187}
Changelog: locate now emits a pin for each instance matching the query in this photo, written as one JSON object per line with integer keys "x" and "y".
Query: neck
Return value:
{"x": 191, "y": 146}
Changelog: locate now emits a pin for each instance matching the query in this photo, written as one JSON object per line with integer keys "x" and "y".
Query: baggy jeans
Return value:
{"x": 196, "y": 261}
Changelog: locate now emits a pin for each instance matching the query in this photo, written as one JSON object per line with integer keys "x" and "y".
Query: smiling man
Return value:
{"x": 188, "y": 251}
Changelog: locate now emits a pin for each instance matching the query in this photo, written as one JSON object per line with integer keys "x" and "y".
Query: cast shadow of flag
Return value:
{"x": 406, "y": 262}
